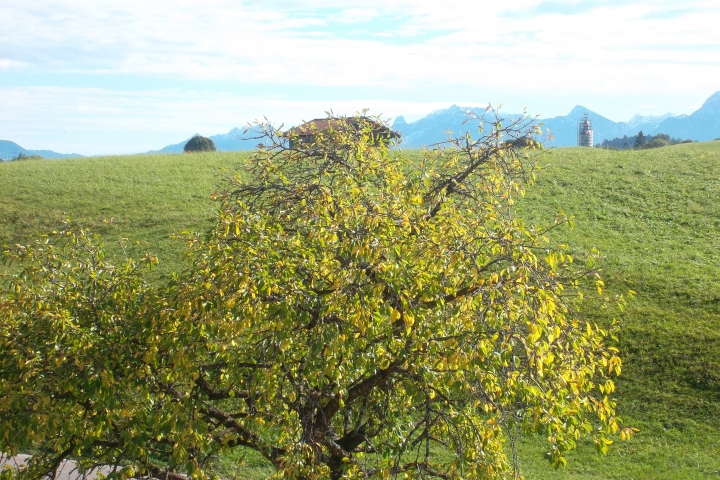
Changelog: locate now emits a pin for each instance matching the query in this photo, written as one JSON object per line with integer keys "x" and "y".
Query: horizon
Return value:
{"x": 107, "y": 79}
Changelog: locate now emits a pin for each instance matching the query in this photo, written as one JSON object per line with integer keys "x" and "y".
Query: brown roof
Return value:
{"x": 309, "y": 128}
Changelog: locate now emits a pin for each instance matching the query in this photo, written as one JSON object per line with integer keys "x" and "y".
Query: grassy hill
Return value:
{"x": 655, "y": 215}
{"x": 143, "y": 198}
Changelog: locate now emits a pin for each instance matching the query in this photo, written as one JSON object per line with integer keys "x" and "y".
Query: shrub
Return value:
{"x": 657, "y": 143}
{"x": 199, "y": 144}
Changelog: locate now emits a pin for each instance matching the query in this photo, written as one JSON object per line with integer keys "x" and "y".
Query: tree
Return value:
{"x": 350, "y": 315}
{"x": 640, "y": 140}
{"x": 199, "y": 144}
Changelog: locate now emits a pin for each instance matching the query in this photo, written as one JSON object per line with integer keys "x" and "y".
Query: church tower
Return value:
{"x": 585, "y": 133}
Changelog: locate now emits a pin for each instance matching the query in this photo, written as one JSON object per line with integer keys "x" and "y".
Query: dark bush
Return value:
{"x": 199, "y": 144}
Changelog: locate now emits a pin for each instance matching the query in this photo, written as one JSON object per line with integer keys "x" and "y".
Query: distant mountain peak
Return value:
{"x": 653, "y": 120}
{"x": 444, "y": 111}
{"x": 579, "y": 109}
{"x": 10, "y": 150}
{"x": 713, "y": 102}
{"x": 399, "y": 121}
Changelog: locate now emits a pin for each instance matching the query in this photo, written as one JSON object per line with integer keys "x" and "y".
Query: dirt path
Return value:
{"x": 67, "y": 470}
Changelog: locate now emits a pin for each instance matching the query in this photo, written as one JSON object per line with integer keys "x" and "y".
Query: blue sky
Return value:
{"x": 108, "y": 77}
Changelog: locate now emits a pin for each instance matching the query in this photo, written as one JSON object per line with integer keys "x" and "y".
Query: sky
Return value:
{"x": 109, "y": 77}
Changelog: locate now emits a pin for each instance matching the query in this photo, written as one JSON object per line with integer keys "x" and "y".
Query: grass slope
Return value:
{"x": 655, "y": 215}
{"x": 144, "y": 198}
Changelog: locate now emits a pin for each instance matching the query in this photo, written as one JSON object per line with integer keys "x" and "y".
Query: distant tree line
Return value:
{"x": 640, "y": 141}
{"x": 22, "y": 157}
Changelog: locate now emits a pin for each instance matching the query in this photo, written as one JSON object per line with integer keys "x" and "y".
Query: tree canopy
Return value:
{"x": 198, "y": 143}
{"x": 350, "y": 315}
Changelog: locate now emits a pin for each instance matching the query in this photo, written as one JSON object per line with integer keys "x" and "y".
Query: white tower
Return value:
{"x": 585, "y": 133}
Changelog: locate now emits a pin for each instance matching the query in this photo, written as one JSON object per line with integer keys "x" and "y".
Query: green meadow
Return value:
{"x": 136, "y": 202}
{"x": 654, "y": 215}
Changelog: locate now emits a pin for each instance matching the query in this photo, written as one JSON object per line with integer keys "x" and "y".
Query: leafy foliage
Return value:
{"x": 199, "y": 144}
{"x": 347, "y": 316}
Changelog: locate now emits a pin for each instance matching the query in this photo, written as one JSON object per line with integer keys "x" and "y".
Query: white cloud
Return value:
{"x": 257, "y": 43}
{"x": 223, "y": 40}
{"x": 355, "y": 15}
{"x": 550, "y": 50}
{"x": 11, "y": 64}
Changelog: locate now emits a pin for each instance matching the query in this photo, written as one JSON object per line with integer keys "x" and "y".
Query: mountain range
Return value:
{"x": 648, "y": 119}
{"x": 232, "y": 141}
{"x": 701, "y": 125}
{"x": 10, "y": 150}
